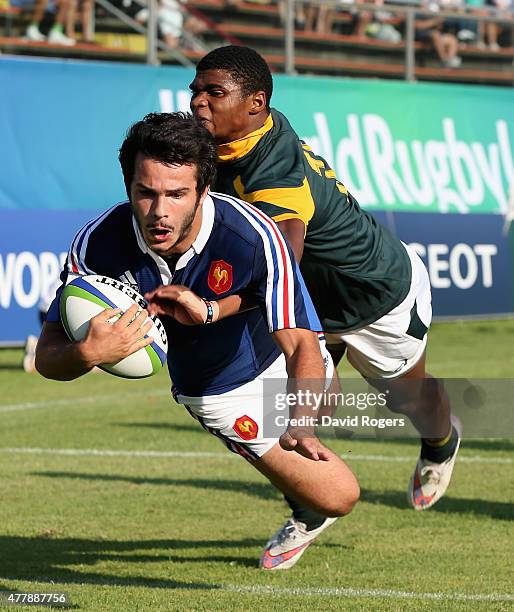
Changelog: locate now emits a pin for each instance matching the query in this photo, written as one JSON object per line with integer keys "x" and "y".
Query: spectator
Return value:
{"x": 363, "y": 19}
{"x": 365, "y": 23}
{"x": 312, "y": 17}
{"x": 325, "y": 15}
{"x": 473, "y": 31}
{"x": 56, "y": 35}
{"x": 171, "y": 22}
{"x": 381, "y": 25}
{"x": 431, "y": 29}
{"x": 303, "y": 16}
{"x": 86, "y": 20}
{"x": 193, "y": 27}
{"x": 452, "y": 25}
{"x": 320, "y": 17}
{"x": 503, "y": 9}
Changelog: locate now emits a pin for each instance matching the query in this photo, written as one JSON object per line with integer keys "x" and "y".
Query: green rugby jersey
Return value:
{"x": 355, "y": 270}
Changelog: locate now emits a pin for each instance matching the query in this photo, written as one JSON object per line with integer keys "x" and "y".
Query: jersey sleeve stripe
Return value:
{"x": 282, "y": 296}
{"x": 286, "y": 307}
{"x": 74, "y": 267}
{"x": 273, "y": 297}
{"x": 273, "y": 294}
{"x": 289, "y": 311}
{"x": 77, "y": 265}
{"x": 78, "y": 250}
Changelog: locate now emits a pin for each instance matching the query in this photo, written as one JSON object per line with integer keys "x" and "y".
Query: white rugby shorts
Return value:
{"x": 392, "y": 346}
{"x": 236, "y": 417}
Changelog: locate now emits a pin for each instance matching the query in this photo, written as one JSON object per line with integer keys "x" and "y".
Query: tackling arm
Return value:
{"x": 294, "y": 231}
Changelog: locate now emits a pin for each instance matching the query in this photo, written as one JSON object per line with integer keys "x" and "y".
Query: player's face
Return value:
{"x": 218, "y": 103}
{"x": 166, "y": 205}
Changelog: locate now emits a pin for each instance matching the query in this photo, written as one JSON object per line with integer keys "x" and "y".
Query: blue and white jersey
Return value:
{"x": 238, "y": 250}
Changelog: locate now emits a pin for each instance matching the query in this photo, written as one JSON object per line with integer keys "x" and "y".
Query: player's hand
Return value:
{"x": 179, "y": 302}
{"x": 305, "y": 443}
{"x": 109, "y": 342}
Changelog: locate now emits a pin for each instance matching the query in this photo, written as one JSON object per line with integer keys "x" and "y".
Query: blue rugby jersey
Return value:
{"x": 238, "y": 249}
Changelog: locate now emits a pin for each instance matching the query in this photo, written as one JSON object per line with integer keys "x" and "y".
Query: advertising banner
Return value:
{"x": 469, "y": 261}
{"x": 409, "y": 147}
{"x": 468, "y": 258}
{"x": 397, "y": 146}
{"x": 434, "y": 162}
{"x": 33, "y": 247}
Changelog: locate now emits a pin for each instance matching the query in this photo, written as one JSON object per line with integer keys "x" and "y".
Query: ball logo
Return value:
{"x": 246, "y": 428}
{"x": 220, "y": 276}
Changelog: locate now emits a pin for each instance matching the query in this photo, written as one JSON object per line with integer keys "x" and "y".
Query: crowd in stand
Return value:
{"x": 181, "y": 25}
{"x": 58, "y": 18}
{"x": 175, "y": 21}
{"x": 445, "y": 34}
{"x": 55, "y": 21}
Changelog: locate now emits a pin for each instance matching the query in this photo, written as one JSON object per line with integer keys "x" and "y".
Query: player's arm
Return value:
{"x": 294, "y": 231}
{"x": 188, "y": 308}
{"x": 57, "y": 357}
{"x": 60, "y": 359}
{"x": 281, "y": 189}
{"x": 293, "y": 323}
{"x": 306, "y": 379}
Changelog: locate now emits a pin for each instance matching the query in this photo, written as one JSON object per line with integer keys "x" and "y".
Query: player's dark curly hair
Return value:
{"x": 172, "y": 138}
{"x": 248, "y": 69}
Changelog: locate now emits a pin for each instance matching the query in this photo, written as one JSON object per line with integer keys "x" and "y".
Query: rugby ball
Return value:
{"x": 86, "y": 296}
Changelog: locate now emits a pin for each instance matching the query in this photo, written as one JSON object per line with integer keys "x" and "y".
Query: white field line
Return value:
{"x": 75, "y": 401}
{"x": 405, "y": 458}
{"x": 366, "y": 593}
{"x": 96, "y": 452}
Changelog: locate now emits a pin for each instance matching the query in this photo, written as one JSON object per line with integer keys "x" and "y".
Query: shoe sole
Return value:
{"x": 457, "y": 423}
{"x": 295, "y": 558}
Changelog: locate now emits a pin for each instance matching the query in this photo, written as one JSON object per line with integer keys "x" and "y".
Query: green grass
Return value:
{"x": 184, "y": 533}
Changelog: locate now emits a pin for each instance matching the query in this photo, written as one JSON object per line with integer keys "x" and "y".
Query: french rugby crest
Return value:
{"x": 246, "y": 428}
{"x": 220, "y": 276}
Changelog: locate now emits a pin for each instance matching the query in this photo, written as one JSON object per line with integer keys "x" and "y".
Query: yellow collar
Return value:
{"x": 239, "y": 148}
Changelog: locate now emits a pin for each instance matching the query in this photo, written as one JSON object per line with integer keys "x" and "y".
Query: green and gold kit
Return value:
{"x": 355, "y": 270}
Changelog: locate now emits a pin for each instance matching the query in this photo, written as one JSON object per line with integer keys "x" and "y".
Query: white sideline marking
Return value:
{"x": 227, "y": 455}
{"x": 95, "y": 452}
{"x": 74, "y": 401}
{"x": 405, "y": 458}
{"x": 360, "y": 593}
